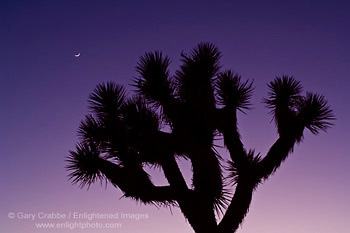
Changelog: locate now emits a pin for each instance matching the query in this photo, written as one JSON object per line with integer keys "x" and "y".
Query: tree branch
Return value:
{"x": 276, "y": 155}
{"x": 197, "y": 211}
{"x": 135, "y": 183}
{"x": 238, "y": 207}
{"x": 207, "y": 180}
{"x": 227, "y": 125}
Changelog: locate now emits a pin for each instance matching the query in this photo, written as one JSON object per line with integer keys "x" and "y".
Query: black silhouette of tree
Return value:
{"x": 198, "y": 105}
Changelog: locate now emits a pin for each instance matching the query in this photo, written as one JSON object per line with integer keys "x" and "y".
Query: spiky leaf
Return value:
{"x": 107, "y": 99}
{"x": 83, "y": 165}
{"x": 154, "y": 82}
{"x": 315, "y": 113}
{"x": 232, "y": 92}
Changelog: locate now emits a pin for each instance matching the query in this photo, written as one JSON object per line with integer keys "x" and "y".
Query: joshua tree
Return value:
{"x": 180, "y": 116}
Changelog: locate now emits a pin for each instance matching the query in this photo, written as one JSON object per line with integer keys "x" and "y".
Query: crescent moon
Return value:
{"x": 77, "y": 55}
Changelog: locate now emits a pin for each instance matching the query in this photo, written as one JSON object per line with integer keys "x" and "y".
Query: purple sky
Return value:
{"x": 44, "y": 91}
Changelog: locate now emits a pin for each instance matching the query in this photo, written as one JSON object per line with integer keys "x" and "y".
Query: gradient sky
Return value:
{"x": 44, "y": 91}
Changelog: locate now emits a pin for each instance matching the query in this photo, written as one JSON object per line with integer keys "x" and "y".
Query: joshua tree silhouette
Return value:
{"x": 196, "y": 105}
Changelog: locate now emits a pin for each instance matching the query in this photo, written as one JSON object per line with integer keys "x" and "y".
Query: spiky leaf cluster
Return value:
{"x": 154, "y": 83}
{"x": 83, "y": 165}
{"x": 293, "y": 112}
{"x": 315, "y": 113}
{"x": 232, "y": 92}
